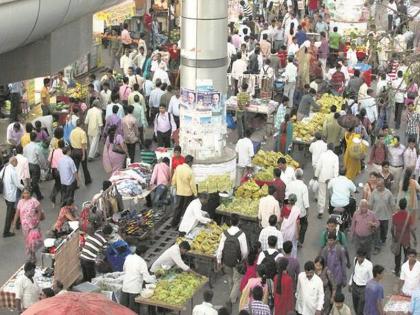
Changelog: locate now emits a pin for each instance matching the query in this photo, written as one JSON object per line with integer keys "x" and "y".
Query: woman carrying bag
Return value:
{"x": 115, "y": 151}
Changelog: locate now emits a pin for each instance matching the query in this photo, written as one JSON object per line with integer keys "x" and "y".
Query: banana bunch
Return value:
{"x": 269, "y": 158}
{"x": 79, "y": 91}
{"x": 214, "y": 183}
{"x": 178, "y": 288}
{"x": 327, "y": 100}
{"x": 251, "y": 190}
{"x": 305, "y": 130}
{"x": 265, "y": 174}
{"x": 208, "y": 239}
{"x": 244, "y": 206}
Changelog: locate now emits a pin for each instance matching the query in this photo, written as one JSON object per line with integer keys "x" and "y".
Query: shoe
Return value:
{"x": 299, "y": 245}
{"x": 97, "y": 155}
{"x": 40, "y": 198}
{"x": 8, "y": 234}
{"x": 90, "y": 159}
{"x": 319, "y": 215}
{"x": 88, "y": 183}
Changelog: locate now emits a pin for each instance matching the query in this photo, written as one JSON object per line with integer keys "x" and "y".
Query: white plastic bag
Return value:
{"x": 314, "y": 186}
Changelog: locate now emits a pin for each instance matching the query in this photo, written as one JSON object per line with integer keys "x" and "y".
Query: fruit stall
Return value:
{"x": 257, "y": 106}
{"x": 204, "y": 241}
{"x": 173, "y": 290}
{"x": 304, "y": 130}
{"x": 245, "y": 204}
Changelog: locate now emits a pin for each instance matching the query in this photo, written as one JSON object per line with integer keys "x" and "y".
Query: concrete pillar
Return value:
{"x": 203, "y": 69}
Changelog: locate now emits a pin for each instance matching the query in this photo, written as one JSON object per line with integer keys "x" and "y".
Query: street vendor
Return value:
{"x": 171, "y": 257}
{"x": 194, "y": 215}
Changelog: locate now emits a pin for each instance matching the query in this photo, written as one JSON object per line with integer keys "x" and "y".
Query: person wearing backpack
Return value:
{"x": 232, "y": 250}
{"x": 164, "y": 127}
{"x": 269, "y": 257}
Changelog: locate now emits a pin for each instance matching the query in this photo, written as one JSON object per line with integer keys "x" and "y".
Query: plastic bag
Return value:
{"x": 230, "y": 122}
{"x": 314, "y": 185}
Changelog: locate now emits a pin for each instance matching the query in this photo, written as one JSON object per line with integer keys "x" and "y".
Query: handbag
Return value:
{"x": 396, "y": 246}
{"x": 116, "y": 148}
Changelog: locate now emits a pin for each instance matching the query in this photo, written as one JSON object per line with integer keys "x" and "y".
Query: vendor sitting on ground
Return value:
{"x": 194, "y": 215}
{"x": 67, "y": 213}
{"x": 171, "y": 257}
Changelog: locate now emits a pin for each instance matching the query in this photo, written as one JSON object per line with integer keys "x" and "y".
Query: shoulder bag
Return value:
{"x": 396, "y": 246}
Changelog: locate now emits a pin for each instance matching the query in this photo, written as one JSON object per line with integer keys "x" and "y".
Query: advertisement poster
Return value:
{"x": 188, "y": 98}
{"x": 208, "y": 101}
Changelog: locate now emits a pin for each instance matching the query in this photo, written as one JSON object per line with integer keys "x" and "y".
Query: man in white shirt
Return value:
{"x": 245, "y": 150}
{"x": 22, "y": 169}
{"x": 410, "y": 274}
{"x": 171, "y": 257}
{"x": 327, "y": 169}
{"x": 399, "y": 86}
{"x": 309, "y": 292}
{"x": 173, "y": 107}
{"x": 341, "y": 189}
{"x": 194, "y": 215}
{"x": 239, "y": 66}
{"x": 362, "y": 273}
{"x": 290, "y": 75}
{"x": 26, "y": 289}
{"x": 230, "y": 253}
{"x": 161, "y": 74}
{"x": 287, "y": 172}
{"x": 231, "y": 50}
{"x": 369, "y": 104}
{"x": 268, "y": 206}
{"x": 134, "y": 78}
{"x": 115, "y": 99}
{"x": 271, "y": 230}
{"x": 94, "y": 122}
{"x": 10, "y": 186}
{"x": 317, "y": 148}
{"x": 105, "y": 96}
{"x": 126, "y": 62}
{"x": 391, "y": 10}
{"x": 299, "y": 188}
{"x": 205, "y": 308}
{"x": 135, "y": 272}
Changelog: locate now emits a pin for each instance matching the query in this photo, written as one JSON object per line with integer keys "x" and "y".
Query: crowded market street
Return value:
{"x": 147, "y": 169}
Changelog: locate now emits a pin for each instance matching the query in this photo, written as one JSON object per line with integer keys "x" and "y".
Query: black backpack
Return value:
{"x": 231, "y": 254}
{"x": 269, "y": 262}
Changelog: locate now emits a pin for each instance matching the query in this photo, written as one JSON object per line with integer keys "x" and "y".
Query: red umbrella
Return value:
{"x": 74, "y": 303}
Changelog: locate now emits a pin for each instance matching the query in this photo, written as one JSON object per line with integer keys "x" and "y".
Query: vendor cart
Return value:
{"x": 258, "y": 106}
{"x": 174, "y": 308}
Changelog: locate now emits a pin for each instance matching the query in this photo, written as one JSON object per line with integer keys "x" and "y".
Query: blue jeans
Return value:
{"x": 159, "y": 195}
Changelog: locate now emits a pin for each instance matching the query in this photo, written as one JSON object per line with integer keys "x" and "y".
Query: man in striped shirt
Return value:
{"x": 94, "y": 244}
{"x": 247, "y": 11}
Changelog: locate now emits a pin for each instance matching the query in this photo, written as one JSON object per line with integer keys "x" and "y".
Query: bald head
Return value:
{"x": 13, "y": 161}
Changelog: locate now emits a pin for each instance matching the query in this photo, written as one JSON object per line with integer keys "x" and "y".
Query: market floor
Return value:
{"x": 13, "y": 255}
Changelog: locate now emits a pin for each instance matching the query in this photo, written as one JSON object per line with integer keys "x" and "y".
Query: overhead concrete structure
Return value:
{"x": 39, "y": 37}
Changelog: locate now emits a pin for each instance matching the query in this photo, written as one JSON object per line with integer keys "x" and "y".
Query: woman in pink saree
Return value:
{"x": 290, "y": 224}
{"x": 30, "y": 213}
{"x": 115, "y": 151}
